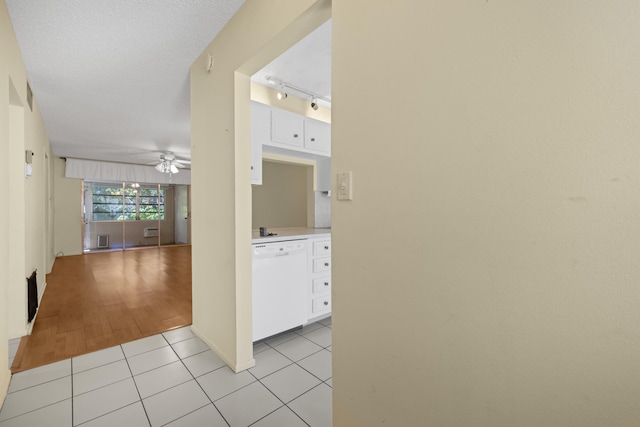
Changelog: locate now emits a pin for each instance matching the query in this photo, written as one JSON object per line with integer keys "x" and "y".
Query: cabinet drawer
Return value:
{"x": 321, "y": 285}
{"x": 321, "y": 264}
{"x": 287, "y": 128}
{"x": 321, "y": 304}
{"x": 322, "y": 248}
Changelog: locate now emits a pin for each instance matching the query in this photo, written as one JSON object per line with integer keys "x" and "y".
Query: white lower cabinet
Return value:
{"x": 319, "y": 278}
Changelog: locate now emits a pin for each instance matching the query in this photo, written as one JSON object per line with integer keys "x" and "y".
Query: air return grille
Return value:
{"x": 103, "y": 241}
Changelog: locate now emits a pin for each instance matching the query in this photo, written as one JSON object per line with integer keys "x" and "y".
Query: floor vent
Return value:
{"x": 103, "y": 241}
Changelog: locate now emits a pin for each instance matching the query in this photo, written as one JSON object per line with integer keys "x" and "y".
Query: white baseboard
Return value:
{"x": 234, "y": 365}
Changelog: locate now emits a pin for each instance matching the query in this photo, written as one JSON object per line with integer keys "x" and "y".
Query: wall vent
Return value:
{"x": 151, "y": 232}
{"x": 103, "y": 241}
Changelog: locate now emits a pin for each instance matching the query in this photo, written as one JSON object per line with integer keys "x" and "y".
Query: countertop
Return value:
{"x": 283, "y": 234}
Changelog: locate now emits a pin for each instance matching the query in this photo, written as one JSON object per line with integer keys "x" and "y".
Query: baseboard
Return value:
{"x": 5, "y": 385}
{"x": 234, "y": 365}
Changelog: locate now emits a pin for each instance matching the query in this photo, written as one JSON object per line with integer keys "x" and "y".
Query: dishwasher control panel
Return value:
{"x": 279, "y": 247}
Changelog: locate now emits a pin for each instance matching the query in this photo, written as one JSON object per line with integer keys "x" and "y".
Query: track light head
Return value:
{"x": 281, "y": 93}
{"x": 314, "y": 103}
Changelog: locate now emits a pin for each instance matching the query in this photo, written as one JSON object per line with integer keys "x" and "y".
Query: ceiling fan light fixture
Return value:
{"x": 160, "y": 166}
{"x": 173, "y": 169}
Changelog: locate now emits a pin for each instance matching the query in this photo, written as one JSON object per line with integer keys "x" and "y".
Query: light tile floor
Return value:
{"x": 13, "y": 349}
{"x": 173, "y": 379}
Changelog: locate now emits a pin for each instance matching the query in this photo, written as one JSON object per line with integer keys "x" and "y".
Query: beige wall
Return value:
{"x": 281, "y": 200}
{"x": 5, "y": 36}
{"x": 221, "y": 153}
{"x": 498, "y": 161}
{"x": 25, "y": 222}
{"x": 68, "y": 212}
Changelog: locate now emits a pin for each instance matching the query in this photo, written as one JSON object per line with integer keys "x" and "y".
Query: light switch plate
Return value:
{"x": 345, "y": 187}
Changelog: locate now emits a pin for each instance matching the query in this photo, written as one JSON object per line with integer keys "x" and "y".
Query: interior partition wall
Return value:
{"x": 127, "y": 215}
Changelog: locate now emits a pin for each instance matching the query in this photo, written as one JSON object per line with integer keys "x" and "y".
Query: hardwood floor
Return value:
{"x": 99, "y": 300}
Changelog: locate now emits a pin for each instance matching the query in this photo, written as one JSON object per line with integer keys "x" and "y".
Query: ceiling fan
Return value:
{"x": 169, "y": 164}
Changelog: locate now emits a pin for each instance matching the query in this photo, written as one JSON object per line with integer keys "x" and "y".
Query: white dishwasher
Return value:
{"x": 279, "y": 287}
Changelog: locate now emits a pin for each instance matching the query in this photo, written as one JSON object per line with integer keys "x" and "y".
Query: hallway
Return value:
{"x": 100, "y": 300}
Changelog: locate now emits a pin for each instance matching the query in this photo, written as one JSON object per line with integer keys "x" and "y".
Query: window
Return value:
{"x": 121, "y": 203}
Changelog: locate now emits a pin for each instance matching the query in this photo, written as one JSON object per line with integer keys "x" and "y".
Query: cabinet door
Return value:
{"x": 287, "y": 128}
{"x": 317, "y": 136}
{"x": 260, "y": 124}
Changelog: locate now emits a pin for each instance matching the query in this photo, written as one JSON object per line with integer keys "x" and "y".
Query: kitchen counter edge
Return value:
{"x": 284, "y": 234}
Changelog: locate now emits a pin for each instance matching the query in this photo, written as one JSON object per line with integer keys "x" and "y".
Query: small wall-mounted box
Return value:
{"x": 151, "y": 232}
{"x": 103, "y": 241}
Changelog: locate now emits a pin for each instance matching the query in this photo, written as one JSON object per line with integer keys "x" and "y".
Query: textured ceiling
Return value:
{"x": 112, "y": 77}
{"x": 306, "y": 65}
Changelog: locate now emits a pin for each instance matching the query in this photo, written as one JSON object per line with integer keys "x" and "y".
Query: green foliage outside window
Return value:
{"x": 119, "y": 203}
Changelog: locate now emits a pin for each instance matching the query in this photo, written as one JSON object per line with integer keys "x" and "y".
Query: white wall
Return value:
{"x": 497, "y": 161}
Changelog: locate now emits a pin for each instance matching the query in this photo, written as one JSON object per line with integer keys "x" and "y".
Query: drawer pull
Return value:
{"x": 326, "y": 264}
{"x": 326, "y": 283}
{"x": 313, "y": 139}
{"x": 326, "y": 247}
{"x": 295, "y": 135}
{"x": 326, "y": 303}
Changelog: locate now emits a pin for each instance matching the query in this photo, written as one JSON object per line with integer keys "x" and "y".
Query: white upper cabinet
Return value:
{"x": 290, "y": 134}
{"x": 300, "y": 133}
{"x": 317, "y": 136}
{"x": 287, "y": 128}
{"x": 260, "y": 128}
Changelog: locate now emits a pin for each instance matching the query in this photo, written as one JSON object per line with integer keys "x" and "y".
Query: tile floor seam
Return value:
{"x": 277, "y": 370}
{"x": 153, "y": 369}
{"x": 99, "y": 388}
{"x": 286, "y": 403}
{"x": 105, "y": 414}
{"x": 277, "y": 409}
{"x": 301, "y": 367}
{"x": 135, "y": 384}
{"x": 72, "y": 421}
{"x": 34, "y": 410}
{"x": 292, "y": 400}
{"x": 200, "y": 376}
{"x": 323, "y": 347}
{"x": 296, "y": 361}
{"x": 96, "y": 367}
{"x": 166, "y": 389}
{"x": 315, "y": 376}
{"x": 39, "y": 384}
{"x": 229, "y": 394}
{"x": 189, "y": 413}
{"x": 205, "y": 393}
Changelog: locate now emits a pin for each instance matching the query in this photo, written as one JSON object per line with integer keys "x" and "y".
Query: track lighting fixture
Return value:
{"x": 282, "y": 94}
